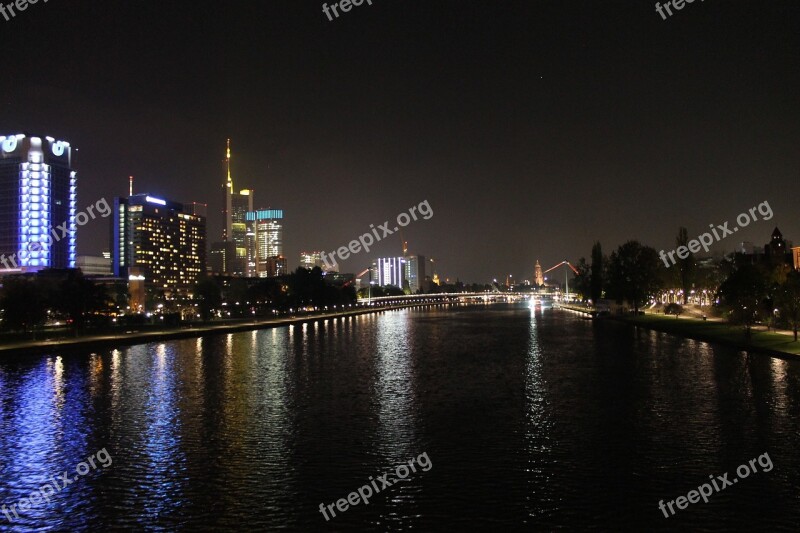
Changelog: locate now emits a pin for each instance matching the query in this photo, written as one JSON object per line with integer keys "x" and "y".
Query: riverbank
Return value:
{"x": 719, "y": 332}
{"x": 98, "y": 342}
{"x": 779, "y": 344}
{"x": 589, "y": 311}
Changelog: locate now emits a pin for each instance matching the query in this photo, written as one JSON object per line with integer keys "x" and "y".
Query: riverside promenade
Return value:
{"x": 96, "y": 342}
{"x": 713, "y": 329}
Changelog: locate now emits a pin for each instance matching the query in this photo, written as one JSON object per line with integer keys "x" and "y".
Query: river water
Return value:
{"x": 526, "y": 419}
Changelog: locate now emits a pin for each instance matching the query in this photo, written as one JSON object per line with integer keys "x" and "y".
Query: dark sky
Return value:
{"x": 532, "y": 128}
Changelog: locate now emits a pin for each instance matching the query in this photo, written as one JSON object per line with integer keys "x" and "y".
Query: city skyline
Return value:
{"x": 368, "y": 265}
{"x": 555, "y": 147}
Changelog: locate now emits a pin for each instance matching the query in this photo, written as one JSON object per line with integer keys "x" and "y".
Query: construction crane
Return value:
{"x": 566, "y": 275}
{"x": 357, "y": 276}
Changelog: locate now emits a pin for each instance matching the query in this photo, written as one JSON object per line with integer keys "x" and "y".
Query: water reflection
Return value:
{"x": 538, "y": 430}
{"x": 161, "y": 491}
{"x": 533, "y": 419}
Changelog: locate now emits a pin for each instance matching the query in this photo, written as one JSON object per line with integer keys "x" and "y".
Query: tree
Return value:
{"x": 582, "y": 280}
{"x": 597, "y": 276}
{"x": 634, "y": 273}
{"x": 78, "y": 297}
{"x": 393, "y": 290}
{"x": 209, "y": 297}
{"x": 742, "y": 293}
{"x": 685, "y": 267}
{"x": 23, "y": 303}
{"x": 673, "y": 309}
{"x": 788, "y": 300}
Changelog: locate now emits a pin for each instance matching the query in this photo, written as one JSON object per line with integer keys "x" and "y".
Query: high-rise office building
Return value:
{"x": 234, "y": 228}
{"x": 38, "y": 195}
{"x": 309, "y": 260}
{"x": 389, "y": 271}
{"x": 273, "y": 267}
{"x": 241, "y": 203}
{"x": 160, "y": 241}
{"x": 265, "y": 227}
{"x": 220, "y": 257}
{"x": 415, "y": 272}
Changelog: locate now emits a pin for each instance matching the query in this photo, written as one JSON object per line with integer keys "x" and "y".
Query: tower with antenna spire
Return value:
{"x": 227, "y": 190}
{"x": 234, "y": 220}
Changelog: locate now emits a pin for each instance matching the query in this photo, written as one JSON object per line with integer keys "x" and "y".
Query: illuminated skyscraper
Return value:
{"x": 241, "y": 203}
{"x": 38, "y": 194}
{"x": 234, "y": 228}
{"x": 160, "y": 241}
{"x": 415, "y": 272}
{"x": 390, "y": 271}
{"x": 309, "y": 260}
{"x": 265, "y": 227}
{"x": 227, "y": 190}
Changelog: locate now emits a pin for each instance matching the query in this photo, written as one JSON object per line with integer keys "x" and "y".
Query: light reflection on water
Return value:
{"x": 531, "y": 417}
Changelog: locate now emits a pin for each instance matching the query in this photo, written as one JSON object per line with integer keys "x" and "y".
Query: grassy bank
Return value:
{"x": 719, "y": 332}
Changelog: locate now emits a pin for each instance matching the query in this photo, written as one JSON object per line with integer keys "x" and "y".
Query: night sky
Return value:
{"x": 532, "y": 128}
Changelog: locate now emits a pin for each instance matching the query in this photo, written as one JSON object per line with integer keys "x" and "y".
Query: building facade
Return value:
{"x": 309, "y": 260}
{"x": 389, "y": 271}
{"x": 165, "y": 244}
{"x": 38, "y": 196}
{"x": 273, "y": 267}
{"x": 538, "y": 277}
{"x": 265, "y": 226}
{"x": 94, "y": 265}
{"x": 221, "y": 256}
{"x": 415, "y": 273}
{"x": 234, "y": 222}
{"x": 241, "y": 204}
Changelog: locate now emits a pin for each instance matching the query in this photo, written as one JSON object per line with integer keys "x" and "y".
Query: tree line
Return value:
{"x": 744, "y": 291}
{"x": 28, "y": 302}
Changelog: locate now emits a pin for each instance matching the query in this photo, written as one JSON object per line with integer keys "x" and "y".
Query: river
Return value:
{"x": 530, "y": 419}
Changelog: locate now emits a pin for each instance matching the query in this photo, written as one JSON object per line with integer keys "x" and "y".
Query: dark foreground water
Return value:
{"x": 531, "y": 420}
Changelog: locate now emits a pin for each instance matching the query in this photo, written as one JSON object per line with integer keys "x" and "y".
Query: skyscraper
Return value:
{"x": 160, "y": 241}
{"x": 266, "y": 228}
{"x": 241, "y": 203}
{"x": 415, "y": 272}
{"x": 38, "y": 195}
{"x": 390, "y": 271}
{"x": 309, "y": 260}
{"x": 220, "y": 257}
{"x": 234, "y": 227}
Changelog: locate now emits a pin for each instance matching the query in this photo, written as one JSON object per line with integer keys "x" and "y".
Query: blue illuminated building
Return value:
{"x": 38, "y": 195}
